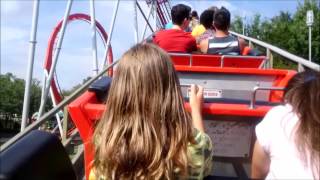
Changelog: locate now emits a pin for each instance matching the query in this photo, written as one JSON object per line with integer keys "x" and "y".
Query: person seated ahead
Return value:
{"x": 288, "y": 137}
{"x": 206, "y": 19}
{"x": 194, "y": 20}
{"x": 176, "y": 39}
{"x": 222, "y": 43}
{"x": 200, "y": 29}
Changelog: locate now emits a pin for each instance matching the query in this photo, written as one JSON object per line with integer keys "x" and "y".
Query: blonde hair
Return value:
{"x": 145, "y": 129}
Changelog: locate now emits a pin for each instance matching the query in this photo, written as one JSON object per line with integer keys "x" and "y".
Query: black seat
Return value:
{"x": 101, "y": 88}
{"x": 38, "y": 155}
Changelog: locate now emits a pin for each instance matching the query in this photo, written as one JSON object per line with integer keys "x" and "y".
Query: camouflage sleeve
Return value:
{"x": 201, "y": 156}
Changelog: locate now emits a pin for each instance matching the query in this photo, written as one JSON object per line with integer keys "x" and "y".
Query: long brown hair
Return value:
{"x": 303, "y": 93}
{"x": 145, "y": 129}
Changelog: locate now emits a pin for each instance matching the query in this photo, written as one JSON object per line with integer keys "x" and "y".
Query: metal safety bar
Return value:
{"x": 257, "y": 88}
{"x": 53, "y": 111}
{"x": 239, "y": 57}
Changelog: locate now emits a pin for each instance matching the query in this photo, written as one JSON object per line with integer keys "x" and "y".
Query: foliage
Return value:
{"x": 237, "y": 24}
{"x": 12, "y": 96}
{"x": 68, "y": 92}
{"x": 288, "y": 32}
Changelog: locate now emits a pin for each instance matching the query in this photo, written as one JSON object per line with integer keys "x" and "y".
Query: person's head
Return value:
{"x": 145, "y": 129}
{"x": 194, "y": 14}
{"x": 181, "y": 16}
{"x": 303, "y": 94}
{"x": 206, "y": 18}
{"x": 214, "y": 8}
{"x": 222, "y": 19}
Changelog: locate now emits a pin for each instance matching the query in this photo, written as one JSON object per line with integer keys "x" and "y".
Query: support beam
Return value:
{"x": 55, "y": 60}
{"x": 94, "y": 38}
{"x": 114, "y": 16}
{"x": 32, "y": 49}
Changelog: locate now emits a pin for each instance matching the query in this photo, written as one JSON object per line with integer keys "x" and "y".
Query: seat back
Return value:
{"x": 243, "y": 61}
{"x": 38, "y": 155}
{"x": 181, "y": 59}
{"x": 184, "y": 59}
{"x": 206, "y": 60}
{"x": 236, "y": 83}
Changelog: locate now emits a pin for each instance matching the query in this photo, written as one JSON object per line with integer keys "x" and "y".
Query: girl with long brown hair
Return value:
{"x": 145, "y": 132}
{"x": 288, "y": 138}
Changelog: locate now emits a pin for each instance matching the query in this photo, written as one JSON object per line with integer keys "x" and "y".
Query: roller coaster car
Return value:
{"x": 235, "y": 100}
{"x": 38, "y": 155}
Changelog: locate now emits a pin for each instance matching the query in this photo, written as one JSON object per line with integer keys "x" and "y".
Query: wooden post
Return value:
{"x": 65, "y": 123}
{"x": 300, "y": 67}
{"x": 250, "y": 45}
{"x": 270, "y": 58}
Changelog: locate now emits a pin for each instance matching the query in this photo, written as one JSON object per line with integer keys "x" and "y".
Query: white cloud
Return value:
{"x": 10, "y": 6}
{"x": 16, "y": 8}
{"x": 13, "y": 34}
{"x": 185, "y": 3}
{"x": 225, "y": 4}
{"x": 73, "y": 68}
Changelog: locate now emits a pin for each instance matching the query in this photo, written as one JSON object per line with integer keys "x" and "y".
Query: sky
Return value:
{"x": 75, "y": 61}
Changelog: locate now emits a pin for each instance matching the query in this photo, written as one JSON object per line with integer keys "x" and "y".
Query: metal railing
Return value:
{"x": 254, "y": 92}
{"x": 273, "y": 49}
{"x": 263, "y": 64}
{"x": 77, "y": 158}
{"x": 56, "y": 109}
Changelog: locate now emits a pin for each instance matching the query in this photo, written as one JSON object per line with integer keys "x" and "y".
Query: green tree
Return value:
{"x": 70, "y": 91}
{"x": 12, "y": 96}
{"x": 288, "y": 32}
{"x": 255, "y": 30}
{"x": 301, "y": 48}
{"x": 237, "y": 24}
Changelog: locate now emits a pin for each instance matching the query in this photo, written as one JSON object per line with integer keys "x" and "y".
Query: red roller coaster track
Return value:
{"x": 51, "y": 44}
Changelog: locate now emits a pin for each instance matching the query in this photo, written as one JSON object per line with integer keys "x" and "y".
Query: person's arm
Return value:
{"x": 260, "y": 162}
{"x": 196, "y": 101}
{"x": 204, "y": 46}
{"x": 242, "y": 45}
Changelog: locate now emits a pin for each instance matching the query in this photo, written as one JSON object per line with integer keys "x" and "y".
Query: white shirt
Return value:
{"x": 276, "y": 134}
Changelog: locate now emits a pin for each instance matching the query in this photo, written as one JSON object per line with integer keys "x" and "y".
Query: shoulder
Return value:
{"x": 273, "y": 125}
{"x": 201, "y": 153}
{"x": 278, "y": 112}
{"x": 188, "y": 37}
{"x": 204, "y": 45}
{"x": 275, "y": 115}
{"x": 162, "y": 32}
{"x": 230, "y": 36}
{"x": 198, "y": 30}
{"x": 195, "y": 29}
{"x": 168, "y": 25}
{"x": 202, "y": 141}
